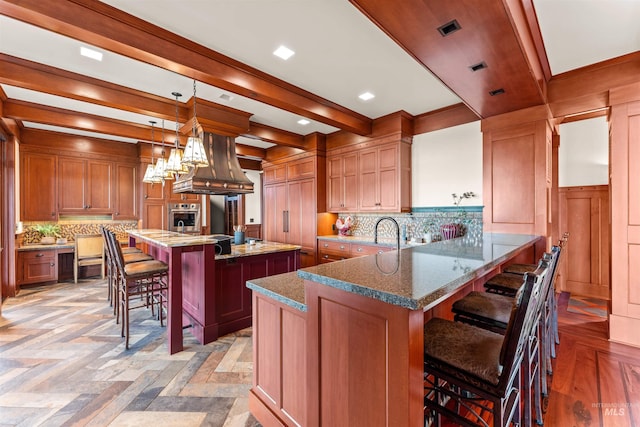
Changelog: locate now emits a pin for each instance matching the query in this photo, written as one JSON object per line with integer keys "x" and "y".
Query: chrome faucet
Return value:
{"x": 375, "y": 231}
{"x": 181, "y": 225}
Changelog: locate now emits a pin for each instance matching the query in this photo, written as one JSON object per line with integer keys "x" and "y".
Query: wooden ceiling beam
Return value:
{"x": 54, "y": 81}
{"x": 104, "y": 26}
{"x": 276, "y": 136}
{"x": 30, "y": 112}
{"x": 443, "y": 118}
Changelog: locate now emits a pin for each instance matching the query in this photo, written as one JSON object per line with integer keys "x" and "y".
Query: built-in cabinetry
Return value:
{"x": 86, "y": 186}
{"x": 156, "y": 197}
{"x": 291, "y": 203}
{"x": 371, "y": 176}
{"x": 38, "y": 189}
{"x": 330, "y": 250}
{"x": 56, "y": 178}
{"x": 37, "y": 266}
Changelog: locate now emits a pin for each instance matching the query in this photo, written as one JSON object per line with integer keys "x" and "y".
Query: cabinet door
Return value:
{"x": 38, "y": 196}
{"x": 342, "y": 183}
{"x": 71, "y": 182}
{"x": 154, "y": 216}
{"x": 151, "y": 192}
{"x": 303, "y": 219}
{"x": 368, "y": 184}
{"x": 99, "y": 184}
{"x": 388, "y": 178}
{"x": 275, "y": 207}
{"x": 126, "y": 192}
{"x": 39, "y": 266}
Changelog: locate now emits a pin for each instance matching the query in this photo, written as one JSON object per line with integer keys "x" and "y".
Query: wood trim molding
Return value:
{"x": 104, "y": 26}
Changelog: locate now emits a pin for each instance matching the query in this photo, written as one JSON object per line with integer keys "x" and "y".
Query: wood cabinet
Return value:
{"x": 370, "y": 177}
{"x": 38, "y": 187}
{"x": 126, "y": 185}
{"x": 330, "y": 250}
{"x": 342, "y": 183}
{"x": 291, "y": 204}
{"x": 85, "y": 185}
{"x": 37, "y": 266}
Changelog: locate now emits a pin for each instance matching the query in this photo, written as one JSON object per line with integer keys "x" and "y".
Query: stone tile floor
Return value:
{"x": 63, "y": 363}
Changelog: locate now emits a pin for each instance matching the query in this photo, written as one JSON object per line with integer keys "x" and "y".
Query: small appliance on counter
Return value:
{"x": 223, "y": 247}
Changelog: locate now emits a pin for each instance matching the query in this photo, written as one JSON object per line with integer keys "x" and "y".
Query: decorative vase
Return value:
{"x": 450, "y": 231}
{"x": 427, "y": 237}
{"x": 61, "y": 241}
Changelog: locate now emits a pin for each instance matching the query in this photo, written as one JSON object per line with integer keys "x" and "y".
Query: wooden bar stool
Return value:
{"x": 491, "y": 311}
{"x": 146, "y": 279}
{"x": 470, "y": 371}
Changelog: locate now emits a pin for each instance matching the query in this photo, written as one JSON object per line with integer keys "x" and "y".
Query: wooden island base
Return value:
{"x": 353, "y": 355}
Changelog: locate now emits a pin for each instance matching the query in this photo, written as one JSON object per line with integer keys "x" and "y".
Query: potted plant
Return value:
{"x": 49, "y": 233}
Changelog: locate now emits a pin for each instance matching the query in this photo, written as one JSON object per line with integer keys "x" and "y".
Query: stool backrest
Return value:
{"x": 521, "y": 322}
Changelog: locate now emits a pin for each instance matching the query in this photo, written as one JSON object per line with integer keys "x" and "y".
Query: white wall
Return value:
{"x": 252, "y": 201}
{"x": 444, "y": 162}
{"x": 583, "y": 156}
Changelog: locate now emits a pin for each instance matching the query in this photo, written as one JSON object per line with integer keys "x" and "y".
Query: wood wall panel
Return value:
{"x": 518, "y": 174}
{"x": 513, "y": 180}
{"x": 584, "y": 213}
{"x": 624, "y": 321}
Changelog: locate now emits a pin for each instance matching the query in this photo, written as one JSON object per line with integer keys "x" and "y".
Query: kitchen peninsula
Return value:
{"x": 206, "y": 291}
{"x": 341, "y": 343}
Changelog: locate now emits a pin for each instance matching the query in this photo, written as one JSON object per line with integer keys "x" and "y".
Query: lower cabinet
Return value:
{"x": 334, "y": 250}
{"x": 232, "y": 297}
{"x": 37, "y": 266}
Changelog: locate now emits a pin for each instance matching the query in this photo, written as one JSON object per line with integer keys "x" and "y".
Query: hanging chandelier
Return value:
{"x": 174, "y": 164}
{"x": 161, "y": 166}
{"x": 194, "y": 154}
{"x": 149, "y": 174}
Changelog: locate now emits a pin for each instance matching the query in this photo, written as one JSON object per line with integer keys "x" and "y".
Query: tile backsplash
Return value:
{"x": 415, "y": 224}
{"x": 68, "y": 230}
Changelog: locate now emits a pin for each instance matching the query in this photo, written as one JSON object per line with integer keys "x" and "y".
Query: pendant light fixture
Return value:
{"x": 159, "y": 172}
{"x": 174, "y": 164}
{"x": 149, "y": 174}
{"x": 166, "y": 175}
{"x": 194, "y": 154}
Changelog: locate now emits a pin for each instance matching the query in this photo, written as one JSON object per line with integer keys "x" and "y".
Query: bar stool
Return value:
{"x": 130, "y": 254}
{"x": 489, "y": 311}
{"x": 147, "y": 279}
{"x": 465, "y": 366}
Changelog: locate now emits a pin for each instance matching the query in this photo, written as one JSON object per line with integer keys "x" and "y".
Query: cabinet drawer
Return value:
{"x": 324, "y": 257}
{"x": 331, "y": 246}
{"x": 361, "y": 250}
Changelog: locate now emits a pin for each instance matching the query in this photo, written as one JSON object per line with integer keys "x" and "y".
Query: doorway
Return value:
{"x": 583, "y": 181}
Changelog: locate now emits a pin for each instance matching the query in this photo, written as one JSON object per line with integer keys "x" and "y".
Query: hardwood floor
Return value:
{"x": 595, "y": 382}
{"x": 63, "y": 363}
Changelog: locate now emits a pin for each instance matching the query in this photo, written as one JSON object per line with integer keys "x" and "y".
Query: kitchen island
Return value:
{"x": 342, "y": 343}
{"x": 206, "y": 291}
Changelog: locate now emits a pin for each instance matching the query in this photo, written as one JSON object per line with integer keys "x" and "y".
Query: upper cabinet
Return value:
{"x": 370, "y": 177}
{"x": 61, "y": 175}
{"x": 86, "y": 186}
{"x": 38, "y": 187}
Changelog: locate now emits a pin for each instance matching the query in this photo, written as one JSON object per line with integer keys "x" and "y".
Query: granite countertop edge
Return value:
{"x": 368, "y": 240}
{"x": 287, "y": 288}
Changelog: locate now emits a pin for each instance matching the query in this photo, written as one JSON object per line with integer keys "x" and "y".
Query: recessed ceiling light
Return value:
{"x": 366, "y": 96}
{"x": 226, "y": 97}
{"x": 283, "y": 52}
{"x": 303, "y": 122}
{"x": 90, "y": 53}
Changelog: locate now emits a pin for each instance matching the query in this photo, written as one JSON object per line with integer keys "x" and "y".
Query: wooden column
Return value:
{"x": 517, "y": 168}
{"x": 624, "y": 321}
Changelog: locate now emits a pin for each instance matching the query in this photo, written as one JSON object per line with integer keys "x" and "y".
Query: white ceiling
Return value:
{"x": 339, "y": 54}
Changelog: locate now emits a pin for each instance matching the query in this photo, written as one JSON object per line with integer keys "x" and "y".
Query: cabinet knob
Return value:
{"x": 380, "y": 252}
{"x": 359, "y": 249}
{"x": 117, "y": 213}
{"x": 326, "y": 245}
{"x": 325, "y": 256}
{"x": 53, "y": 264}
{"x": 146, "y": 196}
{"x": 53, "y": 214}
{"x": 341, "y": 246}
{"x": 39, "y": 255}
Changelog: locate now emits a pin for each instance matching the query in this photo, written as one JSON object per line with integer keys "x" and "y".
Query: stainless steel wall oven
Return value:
{"x": 184, "y": 217}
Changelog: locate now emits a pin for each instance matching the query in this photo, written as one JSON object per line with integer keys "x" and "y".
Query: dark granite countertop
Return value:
{"x": 417, "y": 277}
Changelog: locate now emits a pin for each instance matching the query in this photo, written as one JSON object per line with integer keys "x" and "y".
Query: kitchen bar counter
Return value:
{"x": 207, "y": 291}
{"x": 354, "y": 328}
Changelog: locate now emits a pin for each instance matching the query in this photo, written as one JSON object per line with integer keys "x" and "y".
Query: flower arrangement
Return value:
{"x": 49, "y": 232}
{"x": 344, "y": 225}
